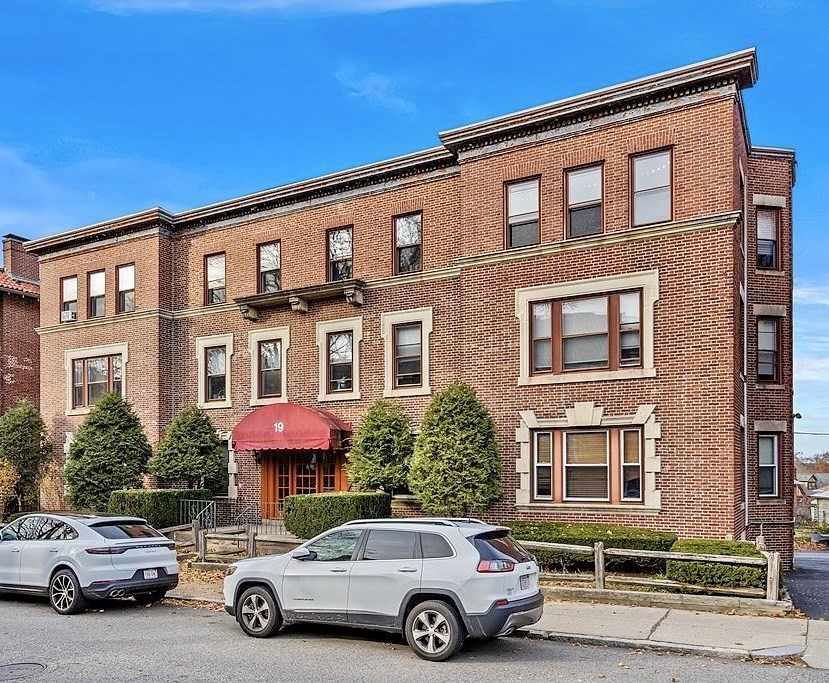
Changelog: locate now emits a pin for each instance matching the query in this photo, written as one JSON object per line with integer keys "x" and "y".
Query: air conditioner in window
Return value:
{"x": 68, "y": 316}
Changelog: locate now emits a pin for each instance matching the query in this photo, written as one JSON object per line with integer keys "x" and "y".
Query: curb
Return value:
{"x": 192, "y": 598}
{"x": 775, "y": 654}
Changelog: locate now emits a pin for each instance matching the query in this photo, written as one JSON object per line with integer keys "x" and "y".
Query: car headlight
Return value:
{"x": 231, "y": 570}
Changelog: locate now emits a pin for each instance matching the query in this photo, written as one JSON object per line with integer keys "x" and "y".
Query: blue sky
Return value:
{"x": 112, "y": 106}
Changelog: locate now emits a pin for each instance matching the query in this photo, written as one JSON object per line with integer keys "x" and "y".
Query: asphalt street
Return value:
{"x": 125, "y": 642}
{"x": 809, "y": 584}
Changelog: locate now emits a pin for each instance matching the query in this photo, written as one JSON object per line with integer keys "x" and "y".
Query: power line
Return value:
{"x": 814, "y": 433}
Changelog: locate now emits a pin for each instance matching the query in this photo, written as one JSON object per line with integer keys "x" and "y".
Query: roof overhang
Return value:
{"x": 289, "y": 426}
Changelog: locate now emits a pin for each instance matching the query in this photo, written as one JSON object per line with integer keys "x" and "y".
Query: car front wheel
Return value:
{"x": 65, "y": 593}
{"x": 434, "y": 631}
{"x": 258, "y": 613}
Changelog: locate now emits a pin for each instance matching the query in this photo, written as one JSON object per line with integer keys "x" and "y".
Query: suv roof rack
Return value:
{"x": 437, "y": 521}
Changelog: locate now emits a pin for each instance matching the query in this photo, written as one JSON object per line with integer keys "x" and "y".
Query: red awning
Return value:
{"x": 288, "y": 426}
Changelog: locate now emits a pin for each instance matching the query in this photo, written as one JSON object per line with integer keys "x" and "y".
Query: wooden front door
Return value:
{"x": 289, "y": 473}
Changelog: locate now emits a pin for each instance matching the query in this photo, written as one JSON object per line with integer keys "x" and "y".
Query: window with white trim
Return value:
{"x": 406, "y": 339}
{"x": 339, "y": 355}
{"x": 586, "y": 466}
{"x": 631, "y": 460}
{"x": 543, "y": 457}
{"x": 94, "y": 377}
{"x": 268, "y": 363}
{"x": 768, "y": 476}
{"x": 213, "y": 360}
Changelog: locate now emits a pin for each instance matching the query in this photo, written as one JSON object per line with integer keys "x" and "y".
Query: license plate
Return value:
{"x": 524, "y": 582}
{"x": 153, "y": 574}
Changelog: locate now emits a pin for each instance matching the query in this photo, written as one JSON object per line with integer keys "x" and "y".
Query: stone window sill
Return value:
{"x": 580, "y": 507}
{"x": 590, "y": 376}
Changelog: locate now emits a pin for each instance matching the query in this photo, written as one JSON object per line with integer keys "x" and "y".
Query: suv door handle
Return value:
{"x": 339, "y": 570}
{"x": 53, "y": 550}
{"x": 407, "y": 569}
{"x": 15, "y": 550}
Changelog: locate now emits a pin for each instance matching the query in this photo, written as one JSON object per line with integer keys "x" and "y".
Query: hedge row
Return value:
{"x": 711, "y": 574}
{"x": 612, "y": 535}
{"x": 309, "y": 515}
{"x": 160, "y": 507}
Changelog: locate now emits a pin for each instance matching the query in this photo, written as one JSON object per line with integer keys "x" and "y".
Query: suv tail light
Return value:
{"x": 109, "y": 550}
{"x": 495, "y": 566}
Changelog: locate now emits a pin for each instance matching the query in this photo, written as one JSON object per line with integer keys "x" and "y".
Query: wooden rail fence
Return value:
{"x": 770, "y": 560}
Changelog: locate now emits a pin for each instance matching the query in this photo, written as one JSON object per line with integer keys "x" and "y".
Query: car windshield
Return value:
{"x": 499, "y": 545}
{"x": 117, "y": 530}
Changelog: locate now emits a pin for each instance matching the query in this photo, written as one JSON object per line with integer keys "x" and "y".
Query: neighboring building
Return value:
{"x": 809, "y": 500}
{"x": 19, "y": 318}
{"x": 612, "y": 272}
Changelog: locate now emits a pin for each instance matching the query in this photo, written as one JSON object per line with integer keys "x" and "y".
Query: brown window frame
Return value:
{"x": 260, "y": 283}
{"x": 395, "y": 328}
{"x": 614, "y": 438}
{"x": 260, "y": 371}
{"x": 568, "y": 208}
{"x": 64, "y": 302}
{"x": 557, "y": 338}
{"x": 776, "y": 256}
{"x": 506, "y": 209}
{"x": 84, "y": 385}
{"x": 207, "y": 375}
{"x": 632, "y": 184}
{"x": 90, "y": 300}
{"x": 119, "y": 303}
{"x": 329, "y": 261}
{"x": 207, "y": 290}
{"x": 328, "y": 364}
{"x": 777, "y": 468}
{"x": 398, "y": 248}
{"x": 775, "y": 378}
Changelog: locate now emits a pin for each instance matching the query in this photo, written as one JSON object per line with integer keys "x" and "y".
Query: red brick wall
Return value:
{"x": 19, "y": 350}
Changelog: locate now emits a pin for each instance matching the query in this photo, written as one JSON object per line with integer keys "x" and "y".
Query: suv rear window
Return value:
{"x": 499, "y": 545}
{"x": 117, "y": 530}
{"x": 434, "y": 546}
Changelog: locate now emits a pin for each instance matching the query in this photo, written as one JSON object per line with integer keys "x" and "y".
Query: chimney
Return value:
{"x": 16, "y": 261}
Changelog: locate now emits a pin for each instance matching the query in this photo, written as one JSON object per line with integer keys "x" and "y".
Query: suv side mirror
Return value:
{"x": 301, "y": 554}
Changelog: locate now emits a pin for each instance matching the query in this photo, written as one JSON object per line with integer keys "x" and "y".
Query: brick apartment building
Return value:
{"x": 612, "y": 272}
{"x": 19, "y": 318}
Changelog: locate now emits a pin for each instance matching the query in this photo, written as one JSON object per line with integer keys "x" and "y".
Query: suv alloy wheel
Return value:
{"x": 257, "y": 613}
{"x": 434, "y": 631}
{"x": 65, "y": 593}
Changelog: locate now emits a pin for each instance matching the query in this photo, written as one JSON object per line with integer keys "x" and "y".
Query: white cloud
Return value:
{"x": 811, "y": 293}
{"x": 250, "y": 6}
{"x": 374, "y": 88}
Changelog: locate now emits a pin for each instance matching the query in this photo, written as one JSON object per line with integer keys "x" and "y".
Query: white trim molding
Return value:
{"x": 71, "y": 355}
{"x": 203, "y": 343}
{"x": 355, "y": 326}
{"x": 647, "y": 281}
{"x": 283, "y": 336}
{"x": 771, "y": 426}
{"x": 772, "y": 200}
{"x": 588, "y": 414}
{"x": 387, "y": 324}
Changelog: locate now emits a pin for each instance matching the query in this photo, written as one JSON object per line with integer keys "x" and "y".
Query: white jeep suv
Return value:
{"x": 437, "y": 581}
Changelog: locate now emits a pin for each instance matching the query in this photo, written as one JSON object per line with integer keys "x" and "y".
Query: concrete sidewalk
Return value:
{"x": 738, "y": 637}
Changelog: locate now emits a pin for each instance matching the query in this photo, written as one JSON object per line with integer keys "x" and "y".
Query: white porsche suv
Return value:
{"x": 437, "y": 581}
{"x": 74, "y": 558}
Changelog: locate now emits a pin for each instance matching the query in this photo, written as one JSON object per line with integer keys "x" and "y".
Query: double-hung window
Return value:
{"x": 125, "y": 280}
{"x": 69, "y": 298}
{"x": 340, "y": 361}
{"x": 214, "y": 269}
{"x": 631, "y": 449}
{"x": 97, "y": 294}
{"x": 270, "y": 368}
{"x": 215, "y": 373}
{"x": 523, "y": 199}
{"x": 584, "y": 201}
{"x": 586, "y": 466}
{"x": 270, "y": 262}
{"x": 543, "y": 462}
{"x": 407, "y": 355}
{"x": 408, "y": 240}
{"x": 94, "y": 377}
{"x": 652, "y": 187}
{"x": 768, "y": 341}
{"x": 587, "y": 333}
{"x": 768, "y": 465}
{"x": 339, "y": 254}
{"x": 767, "y": 231}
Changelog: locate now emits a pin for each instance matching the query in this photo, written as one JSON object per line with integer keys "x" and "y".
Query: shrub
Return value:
{"x": 110, "y": 452}
{"x": 24, "y": 444}
{"x": 710, "y": 574}
{"x": 160, "y": 507}
{"x": 613, "y": 536}
{"x": 189, "y": 451}
{"x": 309, "y": 515}
{"x": 382, "y": 448}
{"x": 8, "y": 481}
{"x": 456, "y": 467}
